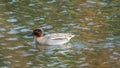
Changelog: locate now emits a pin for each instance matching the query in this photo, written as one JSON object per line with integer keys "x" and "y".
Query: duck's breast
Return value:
{"x": 42, "y": 40}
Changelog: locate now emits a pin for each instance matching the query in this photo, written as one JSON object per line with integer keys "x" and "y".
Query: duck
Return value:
{"x": 51, "y": 39}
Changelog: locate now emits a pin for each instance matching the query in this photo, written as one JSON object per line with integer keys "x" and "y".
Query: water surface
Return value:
{"x": 95, "y": 24}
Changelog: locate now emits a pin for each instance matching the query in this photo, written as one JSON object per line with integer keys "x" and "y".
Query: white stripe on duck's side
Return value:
{"x": 51, "y": 39}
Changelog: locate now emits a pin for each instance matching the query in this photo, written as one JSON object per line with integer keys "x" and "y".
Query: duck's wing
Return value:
{"x": 59, "y": 36}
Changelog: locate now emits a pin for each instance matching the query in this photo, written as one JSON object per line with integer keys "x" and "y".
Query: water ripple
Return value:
{"x": 1, "y": 36}
{"x": 13, "y": 31}
{"x": 38, "y": 18}
{"x": 84, "y": 65}
{"x": 10, "y": 12}
{"x": 29, "y": 63}
{"x": 53, "y": 64}
{"x": 30, "y": 23}
{"x": 8, "y": 57}
{"x": 47, "y": 9}
{"x": 12, "y": 39}
{"x": 64, "y": 12}
{"x": 47, "y": 27}
{"x": 2, "y": 29}
{"x": 91, "y": 24}
{"x": 27, "y": 36}
{"x": 109, "y": 45}
{"x": 16, "y": 47}
{"x": 25, "y": 30}
{"x": 113, "y": 58}
{"x": 6, "y": 62}
{"x": 90, "y": 1}
{"x": 31, "y": 4}
{"x": 85, "y": 28}
{"x": 4, "y": 67}
{"x": 12, "y": 20}
{"x": 52, "y": 1}
{"x": 3, "y": 44}
{"x": 26, "y": 54}
{"x": 116, "y": 53}
{"x": 109, "y": 39}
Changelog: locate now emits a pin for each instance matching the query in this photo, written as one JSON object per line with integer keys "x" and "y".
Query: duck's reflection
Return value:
{"x": 49, "y": 48}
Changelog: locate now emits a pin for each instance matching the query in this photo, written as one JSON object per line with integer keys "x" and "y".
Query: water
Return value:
{"x": 95, "y": 24}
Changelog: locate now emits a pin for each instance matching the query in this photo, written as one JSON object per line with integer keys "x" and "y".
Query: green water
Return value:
{"x": 96, "y": 24}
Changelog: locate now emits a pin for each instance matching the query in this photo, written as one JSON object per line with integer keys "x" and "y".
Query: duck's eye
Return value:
{"x": 40, "y": 31}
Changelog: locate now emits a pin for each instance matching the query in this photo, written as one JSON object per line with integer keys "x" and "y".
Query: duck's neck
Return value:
{"x": 39, "y": 35}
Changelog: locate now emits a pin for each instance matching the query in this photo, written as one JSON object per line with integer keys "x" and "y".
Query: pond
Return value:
{"x": 96, "y": 24}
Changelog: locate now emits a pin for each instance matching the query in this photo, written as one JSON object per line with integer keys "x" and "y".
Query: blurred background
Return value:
{"x": 95, "y": 22}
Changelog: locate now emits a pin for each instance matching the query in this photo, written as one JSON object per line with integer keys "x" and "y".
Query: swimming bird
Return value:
{"x": 51, "y": 39}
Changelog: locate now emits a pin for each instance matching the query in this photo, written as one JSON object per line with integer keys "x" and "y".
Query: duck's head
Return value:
{"x": 38, "y": 32}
